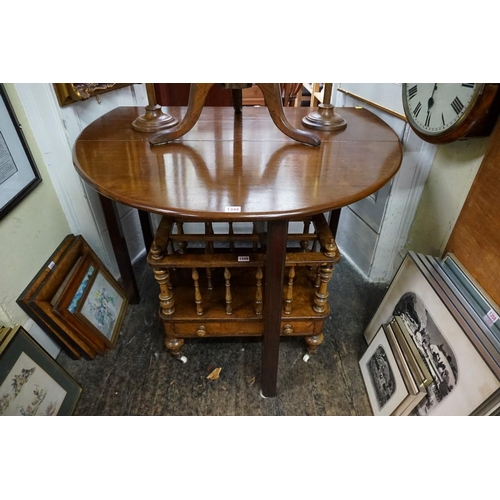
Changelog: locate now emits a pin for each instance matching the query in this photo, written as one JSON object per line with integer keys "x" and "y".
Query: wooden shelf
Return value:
{"x": 212, "y": 285}
{"x": 243, "y": 300}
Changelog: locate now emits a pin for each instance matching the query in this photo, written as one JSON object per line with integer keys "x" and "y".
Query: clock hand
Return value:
{"x": 430, "y": 102}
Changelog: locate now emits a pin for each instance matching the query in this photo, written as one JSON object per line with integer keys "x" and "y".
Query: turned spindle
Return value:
{"x": 255, "y": 241}
{"x": 209, "y": 249}
{"x": 231, "y": 235}
{"x": 258, "y": 292}
{"x": 181, "y": 245}
{"x": 166, "y": 296}
{"x": 304, "y": 244}
{"x": 289, "y": 292}
{"x": 197, "y": 294}
{"x": 227, "y": 277}
{"x": 321, "y": 294}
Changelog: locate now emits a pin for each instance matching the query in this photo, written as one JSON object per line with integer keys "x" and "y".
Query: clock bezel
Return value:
{"x": 474, "y": 113}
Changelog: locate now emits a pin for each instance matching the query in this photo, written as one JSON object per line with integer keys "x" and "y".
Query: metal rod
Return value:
{"x": 374, "y": 104}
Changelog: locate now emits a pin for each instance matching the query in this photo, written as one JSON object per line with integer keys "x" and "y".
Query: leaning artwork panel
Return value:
{"x": 32, "y": 383}
{"x": 461, "y": 378}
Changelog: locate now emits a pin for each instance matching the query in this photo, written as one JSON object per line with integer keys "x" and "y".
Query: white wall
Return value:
{"x": 56, "y": 129}
{"x": 431, "y": 186}
{"x": 372, "y": 232}
{"x": 29, "y": 234}
{"x": 453, "y": 171}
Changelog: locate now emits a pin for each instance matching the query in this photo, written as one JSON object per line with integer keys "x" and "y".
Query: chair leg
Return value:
{"x": 272, "y": 97}
{"x": 197, "y": 95}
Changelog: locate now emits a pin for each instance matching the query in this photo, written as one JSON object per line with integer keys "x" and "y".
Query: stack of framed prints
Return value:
{"x": 31, "y": 382}
{"x": 76, "y": 300}
{"x": 438, "y": 362}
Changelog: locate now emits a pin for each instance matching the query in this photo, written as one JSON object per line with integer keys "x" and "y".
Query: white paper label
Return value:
{"x": 492, "y": 315}
{"x": 243, "y": 258}
{"x": 52, "y": 265}
{"x": 232, "y": 209}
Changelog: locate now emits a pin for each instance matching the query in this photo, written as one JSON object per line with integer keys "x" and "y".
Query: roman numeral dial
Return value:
{"x": 437, "y": 108}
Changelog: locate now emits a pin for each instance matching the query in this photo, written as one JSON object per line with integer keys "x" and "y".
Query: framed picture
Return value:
{"x": 462, "y": 380}
{"x": 97, "y": 302}
{"x": 18, "y": 172}
{"x": 58, "y": 292}
{"x": 68, "y": 93}
{"x": 31, "y": 382}
{"x": 67, "y": 297}
{"x": 383, "y": 380}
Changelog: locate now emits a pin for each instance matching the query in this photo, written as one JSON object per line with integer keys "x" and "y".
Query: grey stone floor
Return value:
{"x": 139, "y": 377}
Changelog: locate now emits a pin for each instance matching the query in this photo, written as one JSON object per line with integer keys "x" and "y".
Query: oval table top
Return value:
{"x": 237, "y": 166}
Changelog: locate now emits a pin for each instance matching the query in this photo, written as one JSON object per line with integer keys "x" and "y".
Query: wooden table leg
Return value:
{"x": 120, "y": 249}
{"x": 273, "y": 295}
{"x": 147, "y": 230}
{"x": 334, "y": 221}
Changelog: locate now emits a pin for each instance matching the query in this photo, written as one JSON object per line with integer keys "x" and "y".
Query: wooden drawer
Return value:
{"x": 219, "y": 329}
{"x": 244, "y": 328}
{"x": 291, "y": 328}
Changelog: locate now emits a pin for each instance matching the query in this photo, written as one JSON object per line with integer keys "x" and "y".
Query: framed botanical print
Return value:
{"x": 18, "y": 172}
{"x": 31, "y": 382}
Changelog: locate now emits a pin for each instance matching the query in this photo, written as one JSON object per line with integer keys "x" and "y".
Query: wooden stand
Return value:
{"x": 325, "y": 118}
{"x": 272, "y": 96}
{"x": 154, "y": 119}
{"x": 211, "y": 285}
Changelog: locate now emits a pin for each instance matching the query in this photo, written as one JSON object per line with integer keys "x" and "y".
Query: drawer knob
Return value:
{"x": 288, "y": 330}
{"x": 201, "y": 331}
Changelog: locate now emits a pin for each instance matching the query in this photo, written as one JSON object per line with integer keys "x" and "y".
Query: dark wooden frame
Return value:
{"x": 26, "y": 189}
{"x": 54, "y": 286}
{"x": 20, "y": 341}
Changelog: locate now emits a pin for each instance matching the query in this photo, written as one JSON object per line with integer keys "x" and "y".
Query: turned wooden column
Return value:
{"x": 325, "y": 117}
{"x": 154, "y": 119}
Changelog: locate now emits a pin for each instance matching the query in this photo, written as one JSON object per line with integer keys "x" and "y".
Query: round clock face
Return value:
{"x": 438, "y": 108}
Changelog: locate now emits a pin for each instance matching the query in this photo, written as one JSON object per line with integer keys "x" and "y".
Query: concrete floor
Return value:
{"x": 139, "y": 377}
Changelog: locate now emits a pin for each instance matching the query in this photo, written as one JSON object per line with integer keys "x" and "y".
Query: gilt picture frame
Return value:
{"x": 19, "y": 174}
{"x": 68, "y": 93}
{"x": 32, "y": 383}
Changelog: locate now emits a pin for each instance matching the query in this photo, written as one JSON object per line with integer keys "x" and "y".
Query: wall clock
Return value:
{"x": 445, "y": 112}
